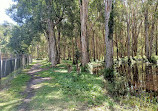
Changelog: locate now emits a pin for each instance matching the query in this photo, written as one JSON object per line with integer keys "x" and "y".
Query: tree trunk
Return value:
{"x": 69, "y": 53}
{"x": 152, "y": 32}
{"x": 64, "y": 52}
{"x": 93, "y": 40}
{"x": 137, "y": 35}
{"x": 128, "y": 38}
{"x": 151, "y": 40}
{"x": 133, "y": 34}
{"x": 73, "y": 51}
{"x": 53, "y": 46}
{"x": 59, "y": 52}
{"x": 37, "y": 51}
{"x": 146, "y": 33}
{"x": 156, "y": 41}
{"x": 108, "y": 35}
{"x": 48, "y": 41}
{"x": 49, "y": 51}
{"x": 84, "y": 16}
{"x": 103, "y": 30}
{"x": 116, "y": 37}
{"x": 97, "y": 45}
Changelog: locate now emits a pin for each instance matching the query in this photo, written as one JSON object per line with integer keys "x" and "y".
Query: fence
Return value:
{"x": 10, "y": 65}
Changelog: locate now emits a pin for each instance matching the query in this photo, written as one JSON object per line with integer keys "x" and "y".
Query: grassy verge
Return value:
{"x": 10, "y": 96}
{"x": 69, "y": 91}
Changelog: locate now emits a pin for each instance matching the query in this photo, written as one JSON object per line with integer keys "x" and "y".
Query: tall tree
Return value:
{"x": 146, "y": 24}
{"x": 109, "y": 34}
{"x": 153, "y": 29}
{"x": 84, "y": 38}
{"x": 45, "y": 15}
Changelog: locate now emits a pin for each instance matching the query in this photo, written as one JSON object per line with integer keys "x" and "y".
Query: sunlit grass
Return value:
{"x": 68, "y": 91}
{"x": 75, "y": 90}
{"x": 11, "y": 95}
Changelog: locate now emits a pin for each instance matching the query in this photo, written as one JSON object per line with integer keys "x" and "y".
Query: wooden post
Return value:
{"x": 15, "y": 67}
{"x": 5, "y": 68}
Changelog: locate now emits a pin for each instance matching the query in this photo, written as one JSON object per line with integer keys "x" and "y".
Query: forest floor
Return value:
{"x": 42, "y": 88}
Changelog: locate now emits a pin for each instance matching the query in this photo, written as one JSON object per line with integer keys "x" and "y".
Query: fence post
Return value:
{"x": 9, "y": 65}
{"x": 15, "y": 62}
{"x": 5, "y": 68}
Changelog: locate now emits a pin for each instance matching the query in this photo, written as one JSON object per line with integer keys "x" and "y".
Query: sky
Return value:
{"x": 3, "y": 16}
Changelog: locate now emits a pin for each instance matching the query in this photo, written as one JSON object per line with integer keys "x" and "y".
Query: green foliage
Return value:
{"x": 11, "y": 97}
{"x": 22, "y": 37}
{"x": 5, "y": 34}
{"x": 18, "y": 84}
{"x": 84, "y": 68}
{"x": 85, "y": 87}
{"x": 71, "y": 91}
{"x": 116, "y": 86}
{"x": 109, "y": 74}
{"x": 154, "y": 59}
{"x": 33, "y": 20}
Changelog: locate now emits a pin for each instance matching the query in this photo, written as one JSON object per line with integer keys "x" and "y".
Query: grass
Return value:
{"x": 70, "y": 92}
{"x": 137, "y": 101}
{"x": 10, "y": 97}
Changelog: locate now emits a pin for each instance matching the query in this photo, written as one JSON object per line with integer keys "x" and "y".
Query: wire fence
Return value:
{"x": 9, "y": 65}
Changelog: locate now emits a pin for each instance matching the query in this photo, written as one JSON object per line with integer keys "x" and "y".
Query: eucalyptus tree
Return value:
{"x": 146, "y": 24}
{"x": 71, "y": 31}
{"x": 153, "y": 22}
{"x": 149, "y": 10}
{"x": 46, "y": 15}
{"x": 109, "y": 33}
{"x": 84, "y": 38}
{"x": 95, "y": 20}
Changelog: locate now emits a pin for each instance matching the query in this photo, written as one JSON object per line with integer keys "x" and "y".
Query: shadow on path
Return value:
{"x": 30, "y": 90}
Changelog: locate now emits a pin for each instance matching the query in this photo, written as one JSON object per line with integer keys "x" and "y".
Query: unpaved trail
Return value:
{"x": 30, "y": 90}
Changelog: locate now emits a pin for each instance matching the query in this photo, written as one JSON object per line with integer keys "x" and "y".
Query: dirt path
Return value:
{"x": 30, "y": 90}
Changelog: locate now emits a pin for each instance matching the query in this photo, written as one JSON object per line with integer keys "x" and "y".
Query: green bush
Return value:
{"x": 109, "y": 74}
{"x": 154, "y": 59}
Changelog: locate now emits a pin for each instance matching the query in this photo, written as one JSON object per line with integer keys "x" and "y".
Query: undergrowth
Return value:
{"x": 77, "y": 89}
{"x": 119, "y": 90}
{"x": 72, "y": 91}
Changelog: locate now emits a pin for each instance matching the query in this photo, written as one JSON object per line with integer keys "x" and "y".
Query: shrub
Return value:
{"x": 109, "y": 74}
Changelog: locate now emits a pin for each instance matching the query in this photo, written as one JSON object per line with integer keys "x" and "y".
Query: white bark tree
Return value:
{"x": 108, "y": 35}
